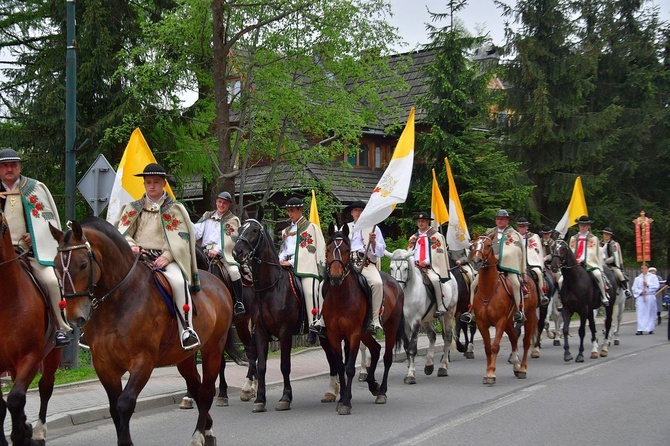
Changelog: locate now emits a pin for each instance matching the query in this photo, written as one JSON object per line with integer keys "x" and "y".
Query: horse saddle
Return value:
{"x": 429, "y": 285}
{"x": 163, "y": 285}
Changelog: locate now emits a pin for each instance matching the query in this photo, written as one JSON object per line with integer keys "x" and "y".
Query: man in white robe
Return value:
{"x": 644, "y": 288}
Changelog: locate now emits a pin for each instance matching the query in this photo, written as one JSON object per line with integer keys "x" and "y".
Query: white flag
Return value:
{"x": 458, "y": 236}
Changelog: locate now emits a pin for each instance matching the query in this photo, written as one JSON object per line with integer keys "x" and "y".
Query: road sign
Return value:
{"x": 96, "y": 184}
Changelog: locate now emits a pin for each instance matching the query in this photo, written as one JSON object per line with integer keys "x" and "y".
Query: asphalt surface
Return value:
{"x": 84, "y": 402}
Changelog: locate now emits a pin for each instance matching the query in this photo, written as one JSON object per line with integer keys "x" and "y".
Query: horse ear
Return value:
{"x": 56, "y": 233}
{"x": 259, "y": 213}
{"x": 475, "y": 235}
{"x": 345, "y": 230}
{"x": 331, "y": 229}
{"x": 77, "y": 232}
{"x": 388, "y": 254}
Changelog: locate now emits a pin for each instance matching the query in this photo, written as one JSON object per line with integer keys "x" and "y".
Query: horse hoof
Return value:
{"x": 428, "y": 370}
{"x": 520, "y": 375}
{"x": 535, "y": 355}
{"x": 197, "y": 439}
{"x": 362, "y": 377}
{"x": 469, "y": 355}
{"x": 246, "y": 395}
{"x": 381, "y": 399}
{"x": 259, "y": 407}
{"x": 38, "y": 443}
{"x": 568, "y": 358}
{"x": 442, "y": 372}
{"x": 186, "y": 403}
{"x": 283, "y": 405}
{"x": 557, "y": 343}
{"x": 221, "y": 401}
{"x": 344, "y": 410}
{"x": 580, "y": 358}
{"x": 603, "y": 353}
{"x": 374, "y": 390}
{"x": 328, "y": 398}
{"x": 594, "y": 355}
{"x": 489, "y": 381}
{"x": 409, "y": 380}
{"x": 616, "y": 342}
{"x": 210, "y": 440}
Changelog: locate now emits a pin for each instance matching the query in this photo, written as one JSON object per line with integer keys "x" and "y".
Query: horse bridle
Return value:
{"x": 65, "y": 258}
{"x": 563, "y": 244}
{"x": 481, "y": 251}
{"x": 403, "y": 260}
{"x": 337, "y": 258}
{"x": 254, "y": 247}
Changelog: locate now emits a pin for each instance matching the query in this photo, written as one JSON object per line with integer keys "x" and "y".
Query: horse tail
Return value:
{"x": 232, "y": 348}
{"x": 401, "y": 335}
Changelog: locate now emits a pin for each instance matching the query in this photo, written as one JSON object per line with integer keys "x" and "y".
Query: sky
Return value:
{"x": 410, "y": 17}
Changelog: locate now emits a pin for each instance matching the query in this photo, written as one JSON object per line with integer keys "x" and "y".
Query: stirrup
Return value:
{"x": 62, "y": 339}
{"x": 467, "y": 318}
{"x": 189, "y": 339}
{"x": 544, "y": 301}
{"x": 519, "y": 317}
{"x": 372, "y": 328}
{"x": 238, "y": 308}
{"x": 605, "y": 302}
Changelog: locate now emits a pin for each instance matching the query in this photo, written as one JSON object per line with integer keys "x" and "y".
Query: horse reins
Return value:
{"x": 252, "y": 256}
{"x": 65, "y": 261}
{"x": 337, "y": 258}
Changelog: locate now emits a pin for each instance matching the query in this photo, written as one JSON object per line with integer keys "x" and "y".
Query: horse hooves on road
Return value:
{"x": 328, "y": 397}
{"x": 246, "y": 395}
{"x": 469, "y": 355}
{"x": 259, "y": 408}
{"x": 343, "y": 410}
{"x": 520, "y": 375}
{"x": 616, "y": 342}
{"x": 535, "y": 354}
{"x": 362, "y": 377}
{"x": 568, "y": 357}
{"x": 210, "y": 440}
{"x": 594, "y": 355}
{"x": 283, "y": 405}
{"x": 442, "y": 372}
{"x": 489, "y": 380}
{"x": 409, "y": 380}
{"x": 580, "y": 358}
{"x": 557, "y": 343}
{"x": 186, "y": 403}
{"x": 221, "y": 401}
{"x": 429, "y": 369}
{"x": 603, "y": 353}
{"x": 381, "y": 399}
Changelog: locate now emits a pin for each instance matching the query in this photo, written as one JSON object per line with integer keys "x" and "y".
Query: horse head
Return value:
{"x": 401, "y": 265}
{"x": 338, "y": 256}
{"x": 248, "y": 241}
{"x": 77, "y": 268}
{"x": 561, "y": 255}
{"x": 482, "y": 252}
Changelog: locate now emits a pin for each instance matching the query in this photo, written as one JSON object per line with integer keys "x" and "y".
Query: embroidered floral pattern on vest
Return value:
{"x": 435, "y": 243}
{"x": 306, "y": 240}
{"x": 127, "y": 217}
{"x": 34, "y": 206}
{"x": 171, "y": 222}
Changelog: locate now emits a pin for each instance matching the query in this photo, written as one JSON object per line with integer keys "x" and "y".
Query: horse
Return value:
{"x": 419, "y": 311}
{"x": 462, "y": 304}
{"x": 579, "y": 294}
{"x": 618, "y": 308}
{"x": 26, "y": 347}
{"x": 616, "y": 298}
{"x": 129, "y": 327}
{"x": 243, "y": 329}
{"x": 494, "y": 306}
{"x": 345, "y": 311}
{"x": 551, "y": 289}
{"x": 279, "y": 309}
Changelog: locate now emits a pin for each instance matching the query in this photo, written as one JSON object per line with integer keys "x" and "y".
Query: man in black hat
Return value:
{"x": 613, "y": 258}
{"x": 304, "y": 249}
{"x": 160, "y": 228}
{"x": 586, "y": 247}
{"x": 432, "y": 258}
{"x": 534, "y": 255}
{"x": 548, "y": 243}
{"x": 511, "y": 260}
{"x": 29, "y": 208}
{"x": 217, "y": 231}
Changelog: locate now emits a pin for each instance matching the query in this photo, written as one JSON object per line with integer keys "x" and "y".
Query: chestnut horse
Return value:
{"x": 26, "y": 346}
{"x": 128, "y": 325}
{"x": 493, "y": 306}
{"x": 345, "y": 312}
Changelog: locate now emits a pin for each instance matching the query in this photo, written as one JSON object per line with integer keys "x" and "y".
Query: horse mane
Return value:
{"x": 104, "y": 227}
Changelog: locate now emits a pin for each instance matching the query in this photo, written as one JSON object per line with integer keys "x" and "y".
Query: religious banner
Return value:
{"x": 643, "y": 237}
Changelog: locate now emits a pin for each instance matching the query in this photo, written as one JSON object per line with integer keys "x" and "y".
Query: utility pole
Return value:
{"x": 70, "y": 352}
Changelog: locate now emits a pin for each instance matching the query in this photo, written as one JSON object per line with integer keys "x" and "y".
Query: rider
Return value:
{"x": 548, "y": 243}
{"x": 612, "y": 257}
{"x": 585, "y": 245}
{"x": 218, "y": 231}
{"x": 29, "y": 208}
{"x": 533, "y": 255}
{"x": 511, "y": 259}
{"x": 304, "y": 249}
{"x": 159, "y": 227}
{"x": 430, "y": 256}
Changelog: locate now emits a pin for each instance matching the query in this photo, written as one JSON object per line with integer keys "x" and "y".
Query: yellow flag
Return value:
{"x": 127, "y": 187}
{"x": 438, "y": 208}
{"x": 314, "y": 211}
{"x": 394, "y": 184}
{"x": 458, "y": 236}
{"x": 576, "y": 209}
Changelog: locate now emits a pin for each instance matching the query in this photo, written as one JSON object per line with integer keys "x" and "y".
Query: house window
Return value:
{"x": 378, "y": 157}
{"x": 361, "y": 158}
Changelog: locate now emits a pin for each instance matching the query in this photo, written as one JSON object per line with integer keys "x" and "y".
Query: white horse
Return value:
{"x": 617, "y": 317}
{"x": 419, "y": 311}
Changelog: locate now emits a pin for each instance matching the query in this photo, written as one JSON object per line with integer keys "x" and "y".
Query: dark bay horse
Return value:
{"x": 345, "y": 312}
{"x": 579, "y": 294}
{"x": 462, "y": 304}
{"x": 29, "y": 344}
{"x": 129, "y": 327}
{"x": 493, "y": 306}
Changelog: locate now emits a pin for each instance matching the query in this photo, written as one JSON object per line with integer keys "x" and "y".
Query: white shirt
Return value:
{"x": 288, "y": 247}
{"x": 14, "y": 186}
{"x": 210, "y": 232}
{"x": 417, "y": 249}
{"x": 358, "y": 244}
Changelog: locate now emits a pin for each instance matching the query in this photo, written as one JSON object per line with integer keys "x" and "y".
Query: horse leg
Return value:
{"x": 46, "y": 386}
{"x": 365, "y": 362}
{"x": 352, "y": 346}
{"x": 127, "y": 400}
{"x": 16, "y": 400}
{"x": 461, "y": 348}
{"x": 262, "y": 363}
{"x": 287, "y": 395}
{"x": 447, "y": 337}
{"x": 490, "y": 375}
{"x": 594, "y": 337}
{"x": 582, "y": 333}
{"x": 410, "y": 351}
{"x": 222, "y": 397}
{"x": 212, "y": 356}
{"x": 388, "y": 360}
{"x": 566, "y": 328}
{"x": 430, "y": 354}
{"x": 470, "y": 353}
{"x": 250, "y": 385}
{"x": 375, "y": 350}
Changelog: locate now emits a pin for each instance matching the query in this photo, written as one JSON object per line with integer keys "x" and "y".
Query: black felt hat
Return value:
{"x": 584, "y": 219}
{"x": 294, "y": 202}
{"x": 153, "y": 169}
{"x": 423, "y": 215}
{"x": 522, "y": 221}
{"x": 546, "y": 230}
{"x": 608, "y": 230}
{"x": 356, "y": 204}
{"x": 9, "y": 156}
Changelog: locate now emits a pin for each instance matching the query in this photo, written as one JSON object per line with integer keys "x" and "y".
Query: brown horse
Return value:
{"x": 128, "y": 325}
{"x": 493, "y": 306}
{"x": 25, "y": 347}
{"x": 345, "y": 312}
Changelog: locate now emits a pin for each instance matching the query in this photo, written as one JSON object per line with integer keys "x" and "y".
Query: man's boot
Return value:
{"x": 238, "y": 307}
